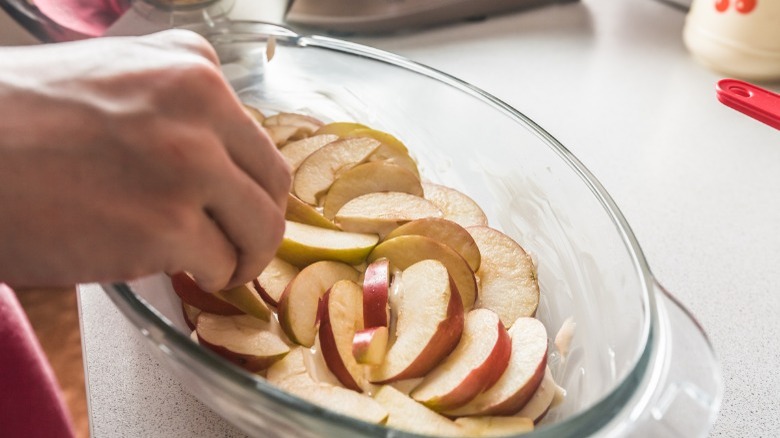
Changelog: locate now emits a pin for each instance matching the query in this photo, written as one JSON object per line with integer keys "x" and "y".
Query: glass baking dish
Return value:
{"x": 639, "y": 363}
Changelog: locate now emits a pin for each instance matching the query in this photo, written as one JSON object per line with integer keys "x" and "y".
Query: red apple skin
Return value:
{"x": 513, "y": 404}
{"x": 264, "y": 295}
{"x": 189, "y": 292}
{"x": 367, "y": 341}
{"x": 190, "y": 323}
{"x": 441, "y": 344}
{"x": 480, "y": 378}
{"x": 252, "y": 364}
{"x": 330, "y": 350}
{"x": 376, "y": 285}
{"x": 499, "y": 357}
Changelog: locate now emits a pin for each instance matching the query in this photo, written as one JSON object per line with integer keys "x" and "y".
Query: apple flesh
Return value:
{"x": 376, "y": 293}
{"x": 246, "y": 298}
{"x": 367, "y": 178}
{"x": 521, "y": 378}
{"x": 340, "y": 129}
{"x": 318, "y": 171}
{"x": 381, "y": 213}
{"x": 391, "y": 150}
{"x": 390, "y": 154}
{"x": 242, "y": 339}
{"x": 446, "y": 232}
{"x": 254, "y": 113}
{"x": 386, "y": 139}
{"x": 407, "y": 415}
{"x": 404, "y": 251}
{"x": 297, "y": 151}
{"x": 282, "y": 135}
{"x": 272, "y": 282}
{"x": 369, "y": 346}
{"x": 305, "y": 244}
{"x": 303, "y": 213}
{"x": 290, "y": 374}
{"x": 477, "y": 362}
{"x": 456, "y": 206}
{"x": 190, "y": 314}
{"x": 429, "y": 324}
{"x": 310, "y": 124}
{"x": 508, "y": 282}
{"x": 495, "y": 426}
{"x": 300, "y": 302}
{"x": 341, "y": 319}
{"x": 540, "y": 402}
{"x": 189, "y": 292}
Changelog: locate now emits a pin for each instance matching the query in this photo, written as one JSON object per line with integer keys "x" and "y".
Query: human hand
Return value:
{"x": 121, "y": 157}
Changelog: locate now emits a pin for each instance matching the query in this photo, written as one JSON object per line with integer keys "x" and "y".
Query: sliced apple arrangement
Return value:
{"x": 390, "y": 299}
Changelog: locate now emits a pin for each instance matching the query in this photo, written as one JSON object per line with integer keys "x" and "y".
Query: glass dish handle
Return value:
{"x": 688, "y": 381}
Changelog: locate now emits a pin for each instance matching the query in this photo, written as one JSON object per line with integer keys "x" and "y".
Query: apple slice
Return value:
{"x": 254, "y": 112}
{"x": 383, "y": 212}
{"x": 457, "y": 206}
{"x": 477, "y": 363}
{"x": 391, "y": 150}
{"x": 446, "y": 232}
{"x": 404, "y": 251}
{"x": 379, "y": 176}
{"x": 246, "y": 298}
{"x": 339, "y": 128}
{"x": 290, "y": 374}
{"x": 303, "y": 213}
{"x": 270, "y": 284}
{"x": 369, "y": 346}
{"x": 318, "y": 171}
{"x": 495, "y": 426}
{"x": 407, "y": 415}
{"x": 394, "y": 155}
{"x": 508, "y": 283}
{"x": 189, "y": 292}
{"x": 300, "y": 302}
{"x": 540, "y": 402}
{"x": 297, "y": 151}
{"x": 376, "y": 292}
{"x": 307, "y": 123}
{"x": 341, "y": 318}
{"x": 242, "y": 339}
{"x": 305, "y": 244}
{"x": 282, "y": 135}
{"x": 521, "y": 378}
{"x": 386, "y": 139}
{"x": 190, "y": 315}
{"x": 429, "y": 324}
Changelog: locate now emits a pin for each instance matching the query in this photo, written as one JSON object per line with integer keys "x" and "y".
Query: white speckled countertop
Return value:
{"x": 698, "y": 183}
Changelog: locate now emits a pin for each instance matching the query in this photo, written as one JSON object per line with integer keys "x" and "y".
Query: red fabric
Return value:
{"x": 89, "y": 17}
{"x": 30, "y": 402}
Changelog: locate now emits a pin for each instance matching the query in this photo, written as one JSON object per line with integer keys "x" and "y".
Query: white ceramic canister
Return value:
{"x": 739, "y": 38}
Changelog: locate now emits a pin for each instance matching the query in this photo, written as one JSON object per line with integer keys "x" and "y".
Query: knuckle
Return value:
{"x": 191, "y": 41}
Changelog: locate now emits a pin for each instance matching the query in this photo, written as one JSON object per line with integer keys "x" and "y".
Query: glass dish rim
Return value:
{"x": 584, "y": 422}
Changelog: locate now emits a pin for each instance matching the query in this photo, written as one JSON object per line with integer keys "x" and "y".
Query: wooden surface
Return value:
{"x": 54, "y": 316}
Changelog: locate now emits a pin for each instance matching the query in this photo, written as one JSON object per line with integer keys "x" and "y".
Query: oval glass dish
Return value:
{"x": 639, "y": 364}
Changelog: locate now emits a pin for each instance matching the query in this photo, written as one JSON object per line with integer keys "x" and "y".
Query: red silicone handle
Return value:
{"x": 760, "y": 104}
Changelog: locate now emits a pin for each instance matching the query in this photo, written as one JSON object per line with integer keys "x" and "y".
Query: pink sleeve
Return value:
{"x": 89, "y": 17}
{"x": 30, "y": 402}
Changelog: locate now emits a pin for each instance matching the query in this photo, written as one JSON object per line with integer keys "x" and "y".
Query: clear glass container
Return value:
{"x": 639, "y": 363}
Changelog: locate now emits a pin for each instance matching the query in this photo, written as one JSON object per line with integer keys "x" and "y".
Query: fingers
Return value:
{"x": 207, "y": 254}
{"x": 251, "y": 220}
{"x": 248, "y": 188}
{"x": 186, "y": 40}
{"x": 254, "y": 152}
